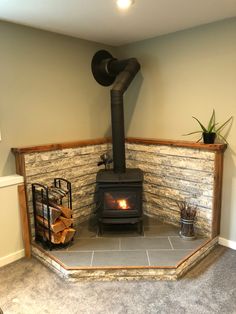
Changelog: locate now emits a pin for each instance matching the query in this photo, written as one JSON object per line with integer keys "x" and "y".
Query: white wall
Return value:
{"x": 11, "y": 244}
{"x": 187, "y": 74}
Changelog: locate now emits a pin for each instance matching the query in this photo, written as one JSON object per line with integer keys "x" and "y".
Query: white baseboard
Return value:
{"x": 11, "y": 257}
{"x": 225, "y": 242}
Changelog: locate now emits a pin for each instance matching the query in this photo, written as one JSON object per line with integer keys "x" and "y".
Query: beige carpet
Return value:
{"x": 27, "y": 286}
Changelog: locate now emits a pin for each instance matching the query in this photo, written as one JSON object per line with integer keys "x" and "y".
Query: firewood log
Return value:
{"x": 57, "y": 190}
{"x": 42, "y": 210}
{"x": 60, "y": 224}
{"x": 56, "y": 227}
{"x": 55, "y": 237}
{"x": 67, "y": 235}
{"x": 66, "y": 212}
{"x": 66, "y": 221}
{"x": 54, "y": 194}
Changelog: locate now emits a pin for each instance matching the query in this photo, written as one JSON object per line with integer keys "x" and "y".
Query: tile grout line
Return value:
{"x": 125, "y": 237}
{"x": 171, "y": 244}
{"x": 124, "y": 250}
{"x": 91, "y": 262}
{"x": 149, "y": 264}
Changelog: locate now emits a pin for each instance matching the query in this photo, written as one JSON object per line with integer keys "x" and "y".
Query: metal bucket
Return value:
{"x": 187, "y": 229}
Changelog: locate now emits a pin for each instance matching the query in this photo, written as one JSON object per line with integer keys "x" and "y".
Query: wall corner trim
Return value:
{"x": 228, "y": 243}
{"x": 11, "y": 180}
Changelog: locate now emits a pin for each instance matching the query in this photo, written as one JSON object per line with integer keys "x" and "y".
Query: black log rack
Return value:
{"x": 42, "y": 201}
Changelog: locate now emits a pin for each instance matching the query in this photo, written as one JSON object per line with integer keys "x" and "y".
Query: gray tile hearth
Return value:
{"x": 85, "y": 232}
{"x": 120, "y": 258}
{"x": 162, "y": 230}
{"x": 121, "y": 245}
{"x": 179, "y": 243}
{"x": 167, "y": 258}
{"x": 74, "y": 259}
{"x": 140, "y": 243}
{"x": 95, "y": 244}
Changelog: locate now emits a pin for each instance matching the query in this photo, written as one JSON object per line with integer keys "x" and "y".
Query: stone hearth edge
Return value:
{"x": 124, "y": 273}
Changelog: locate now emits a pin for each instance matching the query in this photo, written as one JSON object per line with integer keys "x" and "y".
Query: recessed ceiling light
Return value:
{"x": 124, "y": 4}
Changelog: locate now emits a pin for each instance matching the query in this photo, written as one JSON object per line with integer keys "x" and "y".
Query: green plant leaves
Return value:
{"x": 220, "y": 128}
{"x": 201, "y": 125}
{"x": 211, "y": 124}
{"x": 211, "y": 127}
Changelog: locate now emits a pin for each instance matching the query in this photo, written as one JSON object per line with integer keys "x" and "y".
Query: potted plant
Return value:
{"x": 187, "y": 220}
{"x": 212, "y": 131}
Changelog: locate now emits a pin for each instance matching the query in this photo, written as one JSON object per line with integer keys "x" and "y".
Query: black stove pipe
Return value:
{"x": 121, "y": 84}
{"x": 106, "y": 71}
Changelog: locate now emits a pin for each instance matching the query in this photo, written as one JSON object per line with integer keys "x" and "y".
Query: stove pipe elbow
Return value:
{"x": 108, "y": 70}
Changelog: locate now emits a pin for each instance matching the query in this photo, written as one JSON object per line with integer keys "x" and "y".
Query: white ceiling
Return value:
{"x": 101, "y": 21}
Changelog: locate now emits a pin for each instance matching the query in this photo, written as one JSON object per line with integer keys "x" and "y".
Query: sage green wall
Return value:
{"x": 47, "y": 92}
{"x": 183, "y": 74}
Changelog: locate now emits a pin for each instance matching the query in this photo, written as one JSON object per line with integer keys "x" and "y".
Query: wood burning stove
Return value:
{"x": 120, "y": 197}
{"x": 120, "y": 189}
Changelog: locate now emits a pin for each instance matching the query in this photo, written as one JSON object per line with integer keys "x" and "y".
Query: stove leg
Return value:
{"x": 140, "y": 227}
{"x": 100, "y": 228}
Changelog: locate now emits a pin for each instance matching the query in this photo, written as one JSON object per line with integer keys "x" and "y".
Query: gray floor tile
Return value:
{"x": 122, "y": 245}
{"x": 123, "y": 234}
{"x": 179, "y": 243}
{"x": 167, "y": 258}
{"x": 124, "y": 230}
{"x": 160, "y": 230}
{"x": 74, "y": 259}
{"x": 93, "y": 244}
{"x": 140, "y": 243}
{"x": 120, "y": 258}
{"x": 85, "y": 232}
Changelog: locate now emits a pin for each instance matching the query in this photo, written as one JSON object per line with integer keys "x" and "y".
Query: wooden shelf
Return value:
{"x": 187, "y": 144}
{"x": 134, "y": 140}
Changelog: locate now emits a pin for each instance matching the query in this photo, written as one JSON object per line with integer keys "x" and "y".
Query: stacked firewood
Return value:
{"x": 52, "y": 215}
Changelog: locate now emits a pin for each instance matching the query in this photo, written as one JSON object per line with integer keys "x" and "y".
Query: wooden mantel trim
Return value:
{"x": 218, "y": 177}
{"x": 135, "y": 140}
{"x": 57, "y": 146}
{"x": 187, "y": 144}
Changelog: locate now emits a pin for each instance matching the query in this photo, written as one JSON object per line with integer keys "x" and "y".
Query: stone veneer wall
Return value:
{"x": 175, "y": 173}
{"x": 78, "y": 165}
{"x": 172, "y": 171}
